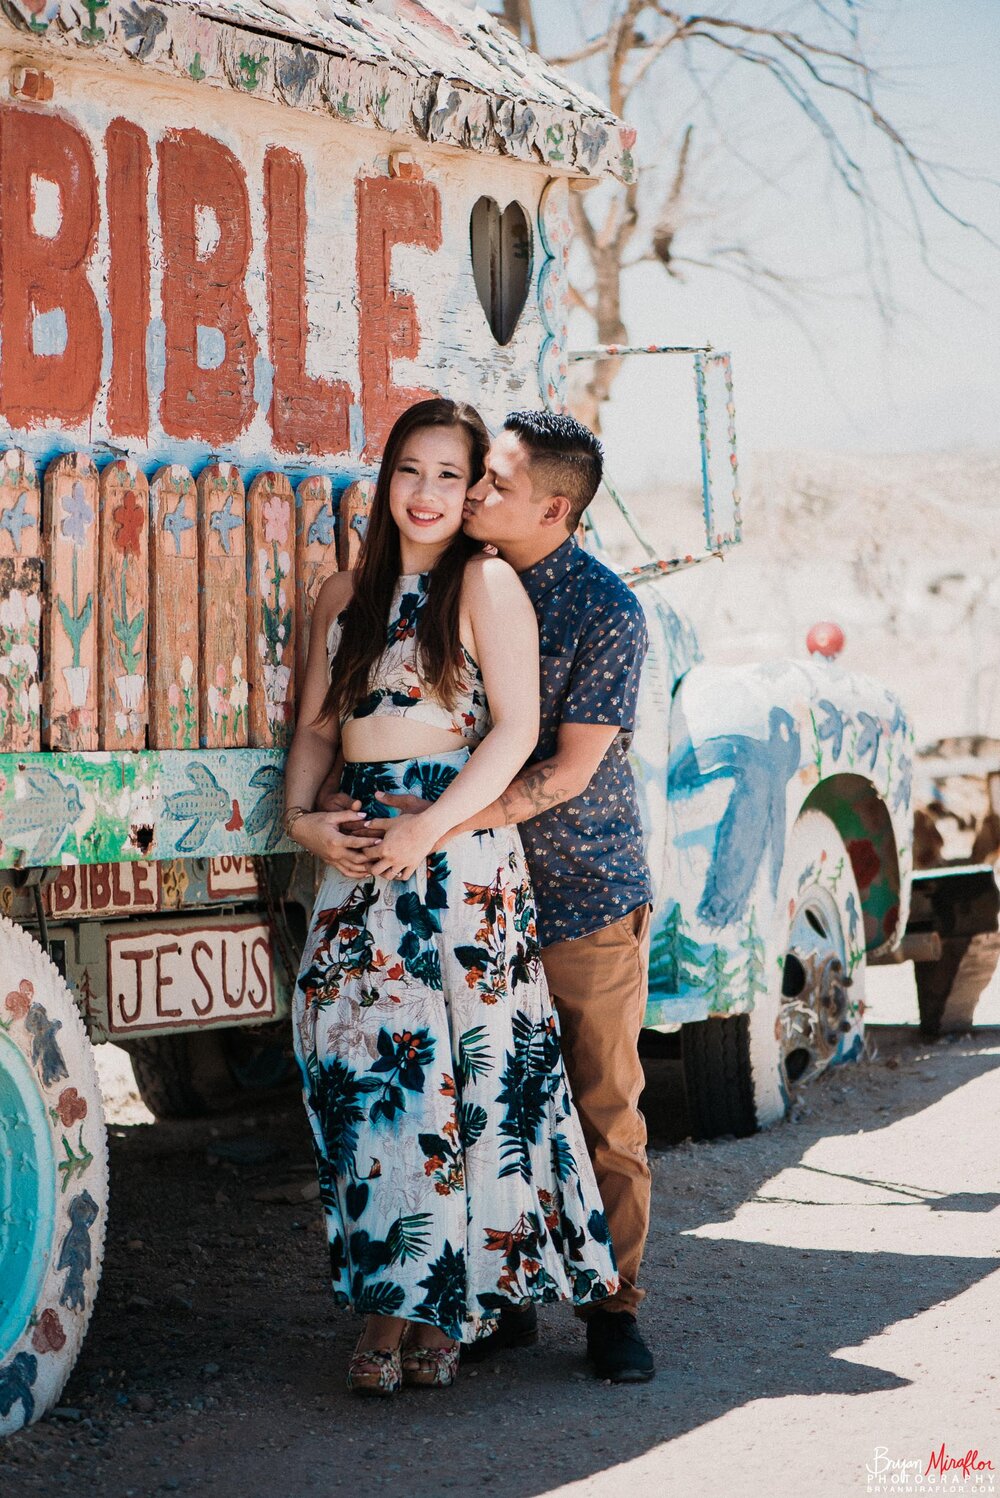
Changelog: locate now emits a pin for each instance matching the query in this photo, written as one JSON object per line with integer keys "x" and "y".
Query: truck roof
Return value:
{"x": 438, "y": 70}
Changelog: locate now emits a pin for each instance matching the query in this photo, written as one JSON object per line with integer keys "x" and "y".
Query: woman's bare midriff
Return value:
{"x": 368, "y": 739}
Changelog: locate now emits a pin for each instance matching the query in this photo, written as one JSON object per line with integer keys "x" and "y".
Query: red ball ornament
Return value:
{"x": 826, "y": 639}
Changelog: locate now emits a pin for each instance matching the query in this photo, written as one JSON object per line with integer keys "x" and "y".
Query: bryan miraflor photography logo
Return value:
{"x": 941, "y": 1471}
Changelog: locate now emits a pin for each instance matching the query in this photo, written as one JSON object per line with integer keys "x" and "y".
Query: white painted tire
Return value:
{"x": 800, "y": 1028}
{"x": 53, "y": 1180}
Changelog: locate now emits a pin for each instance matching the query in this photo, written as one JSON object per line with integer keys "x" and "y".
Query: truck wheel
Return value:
{"x": 743, "y": 1070}
{"x": 53, "y": 1181}
{"x": 201, "y": 1072}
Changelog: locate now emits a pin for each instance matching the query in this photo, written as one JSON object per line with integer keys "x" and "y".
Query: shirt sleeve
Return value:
{"x": 604, "y": 680}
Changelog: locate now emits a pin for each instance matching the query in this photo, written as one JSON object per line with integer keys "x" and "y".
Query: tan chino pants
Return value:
{"x": 599, "y": 985}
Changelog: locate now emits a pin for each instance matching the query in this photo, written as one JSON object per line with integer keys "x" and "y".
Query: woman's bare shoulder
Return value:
{"x": 485, "y": 575}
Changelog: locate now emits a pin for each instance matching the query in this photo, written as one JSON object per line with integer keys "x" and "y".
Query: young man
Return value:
{"x": 575, "y": 804}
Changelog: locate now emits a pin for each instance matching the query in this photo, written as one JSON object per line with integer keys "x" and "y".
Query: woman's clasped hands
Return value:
{"x": 391, "y": 848}
{"x": 406, "y": 841}
{"x": 336, "y": 836}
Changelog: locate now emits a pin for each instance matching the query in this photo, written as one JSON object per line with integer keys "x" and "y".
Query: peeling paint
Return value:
{"x": 434, "y": 72}
{"x": 223, "y": 295}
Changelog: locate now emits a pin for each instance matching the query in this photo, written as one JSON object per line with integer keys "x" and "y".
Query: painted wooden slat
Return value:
{"x": 69, "y": 522}
{"x": 20, "y": 602}
{"x": 270, "y": 616}
{"x": 315, "y": 556}
{"x": 355, "y": 507}
{"x": 222, "y": 604}
{"x": 158, "y": 805}
{"x": 123, "y": 607}
{"x": 173, "y": 608}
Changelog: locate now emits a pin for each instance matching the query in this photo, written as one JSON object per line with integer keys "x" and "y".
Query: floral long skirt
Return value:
{"x": 452, "y": 1167}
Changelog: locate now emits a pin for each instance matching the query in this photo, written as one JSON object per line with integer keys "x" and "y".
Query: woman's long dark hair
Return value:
{"x": 363, "y": 639}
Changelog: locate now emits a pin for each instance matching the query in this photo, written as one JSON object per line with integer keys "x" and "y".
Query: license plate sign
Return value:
{"x": 188, "y": 977}
{"x": 231, "y": 875}
{"x": 104, "y": 889}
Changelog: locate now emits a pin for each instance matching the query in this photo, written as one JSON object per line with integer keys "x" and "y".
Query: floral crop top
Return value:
{"x": 397, "y": 690}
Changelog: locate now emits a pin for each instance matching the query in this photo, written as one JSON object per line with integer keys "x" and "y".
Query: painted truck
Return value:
{"x": 236, "y": 239}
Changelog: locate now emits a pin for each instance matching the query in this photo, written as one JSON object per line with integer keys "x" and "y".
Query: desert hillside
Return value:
{"x": 902, "y": 551}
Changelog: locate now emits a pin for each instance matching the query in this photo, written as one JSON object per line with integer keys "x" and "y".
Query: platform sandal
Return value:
{"x": 376, "y": 1370}
{"x": 430, "y": 1367}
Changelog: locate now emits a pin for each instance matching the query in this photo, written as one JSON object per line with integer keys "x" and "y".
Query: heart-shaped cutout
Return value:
{"x": 501, "y": 263}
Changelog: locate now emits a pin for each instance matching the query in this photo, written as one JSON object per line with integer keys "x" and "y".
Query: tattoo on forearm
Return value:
{"x": 531, "y": 793}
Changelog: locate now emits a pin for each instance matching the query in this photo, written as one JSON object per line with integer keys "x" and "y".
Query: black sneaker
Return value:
{"x": 616, "y": 1349}
{"x": 518, "y": 1328}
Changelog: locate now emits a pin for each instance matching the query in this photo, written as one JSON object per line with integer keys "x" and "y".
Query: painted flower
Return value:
{"x": 237, "y": 666}
{"x": 12, "y": 610}
{"x": 128, "y": 519}
{"x": 18, "y": 1001}
{"x": 71, "y": 1106}
{"x": 78, "y": 515}
{"x": 220, "y": 675}
{"x": 275, "y": 520}
{"x": 121, "y": 722}
{"x": 174, "y": 694}
{"x": 186, "y": 671}
{"x": 33, "y": 608}
{"x": 48, "y": 1335}
{"x": 864, "y": 860}
{"x": 25, "y": 655}
{"x": 216, "y": 702}
{"x": 240, "y": 695}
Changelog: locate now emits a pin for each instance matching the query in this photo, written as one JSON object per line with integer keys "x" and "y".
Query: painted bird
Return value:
{"x": 904, "y": 788}
{"x": 204, "y": 805}
{"x": 833, "y": 725}
{"x": 42, "y": 820}
{"x": 869, "y": 739}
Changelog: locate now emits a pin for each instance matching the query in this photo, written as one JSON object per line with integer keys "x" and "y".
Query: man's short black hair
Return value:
{"x": 565, "y": 456}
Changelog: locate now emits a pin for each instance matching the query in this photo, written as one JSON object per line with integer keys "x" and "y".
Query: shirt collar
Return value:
{"x": 544, "y": 575}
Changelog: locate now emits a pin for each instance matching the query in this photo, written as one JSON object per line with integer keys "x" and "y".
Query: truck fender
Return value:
{"x": 750, "y": 749}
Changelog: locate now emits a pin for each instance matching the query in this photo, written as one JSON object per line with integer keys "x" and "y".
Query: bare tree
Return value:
{"x": 821, "y": 71}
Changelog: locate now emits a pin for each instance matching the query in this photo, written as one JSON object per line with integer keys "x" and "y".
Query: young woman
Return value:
{"x": 452, "y": 1168}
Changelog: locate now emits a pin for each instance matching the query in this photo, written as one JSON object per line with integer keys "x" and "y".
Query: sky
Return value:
{"x": 854, "y": 384}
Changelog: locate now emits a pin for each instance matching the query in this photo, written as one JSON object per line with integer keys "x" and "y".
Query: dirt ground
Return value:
{"x": 815, "y": 1292}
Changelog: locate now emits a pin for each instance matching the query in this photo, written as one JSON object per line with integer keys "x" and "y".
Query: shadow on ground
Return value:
{"x": 215, "y": 1361}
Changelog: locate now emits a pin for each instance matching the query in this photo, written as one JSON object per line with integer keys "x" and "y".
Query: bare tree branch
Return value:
{"x": 591, "y": 49}
{"x": 822, "y": 71}
{"x": 667, "y": 222}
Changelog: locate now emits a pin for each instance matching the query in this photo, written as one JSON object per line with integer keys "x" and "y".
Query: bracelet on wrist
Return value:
{"x": 290, "y": 817}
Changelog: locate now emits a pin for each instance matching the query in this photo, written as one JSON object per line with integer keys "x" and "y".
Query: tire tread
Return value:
{"x": 717, "y": 1076}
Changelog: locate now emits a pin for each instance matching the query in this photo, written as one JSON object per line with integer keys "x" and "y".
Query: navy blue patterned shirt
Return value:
{"x": 587, "y": 859}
